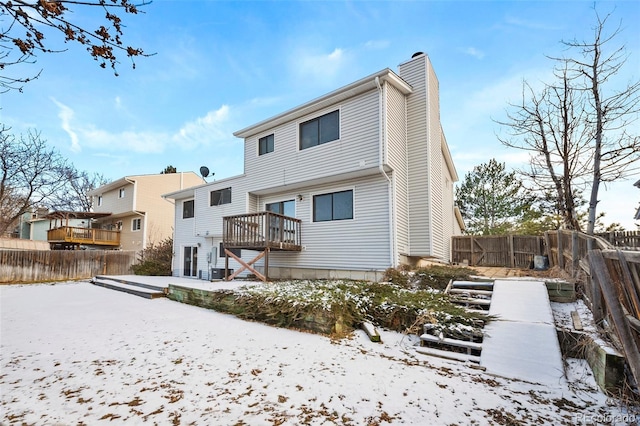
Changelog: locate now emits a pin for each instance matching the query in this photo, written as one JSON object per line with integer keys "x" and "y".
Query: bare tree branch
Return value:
{"x": 24, "y": 36}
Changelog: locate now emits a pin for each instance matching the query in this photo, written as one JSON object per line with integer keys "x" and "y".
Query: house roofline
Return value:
{"x": 350, "y": 90}
{"x": 190, "y": 192}
{"x": 447, "y": 156}
{"x": 129, "y": 180}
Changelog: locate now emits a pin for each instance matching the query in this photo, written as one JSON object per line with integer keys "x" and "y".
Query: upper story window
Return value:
{"x": 221, "y": 196}
{"x": 323, "y": 129}
{"x": 136, "y": 224}
{"x": 99, "y": 200}
{"x": 121, "y": 193}
{"x": 265, "y": 144}
{"x": 334, "y": 206}
{"x": 187, "y": 209}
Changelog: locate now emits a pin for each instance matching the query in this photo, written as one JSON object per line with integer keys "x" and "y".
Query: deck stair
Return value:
{"x": 474, "y": 296}
{"x": 148, "y": 291}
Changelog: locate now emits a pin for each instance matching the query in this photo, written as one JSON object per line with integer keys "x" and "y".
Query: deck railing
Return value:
{"x": 90, "y": 236}
{"x": 262, "y": 230}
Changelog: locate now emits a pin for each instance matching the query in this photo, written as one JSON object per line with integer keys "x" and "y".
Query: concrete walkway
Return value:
{"x": 522, "y": 343}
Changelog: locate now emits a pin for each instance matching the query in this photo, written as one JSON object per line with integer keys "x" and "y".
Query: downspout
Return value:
{"x": 381, "y": 129}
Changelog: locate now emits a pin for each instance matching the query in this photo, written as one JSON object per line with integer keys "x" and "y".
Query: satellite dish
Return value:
{"x": 204, "y": 171}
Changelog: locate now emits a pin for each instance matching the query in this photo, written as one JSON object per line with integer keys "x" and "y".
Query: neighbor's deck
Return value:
{"x": 86, "y": 236}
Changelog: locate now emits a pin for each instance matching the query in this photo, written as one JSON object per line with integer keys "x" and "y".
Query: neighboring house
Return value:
{"x": 33, "y": 225}
{"x": 136, "y": 207}
{"x": 365, "y": 171}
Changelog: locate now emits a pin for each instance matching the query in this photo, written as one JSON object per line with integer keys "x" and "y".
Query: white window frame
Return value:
{"x": 274, "y": 143}
{"x": 193, "y": 211}
{"x": 313, "y": 117}
{"x": 332, "y": 191}
{"x": 121, "y": 193}
{"x": 133, "y": 226}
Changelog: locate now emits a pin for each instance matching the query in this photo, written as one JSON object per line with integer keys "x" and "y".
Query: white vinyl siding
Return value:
{"x": 418, "y": 158}
{"x": 436, "y": 166}
{"x": 397, "y": 159}
{"x": 356, "y": 150}
{"x": 359, "y": 244}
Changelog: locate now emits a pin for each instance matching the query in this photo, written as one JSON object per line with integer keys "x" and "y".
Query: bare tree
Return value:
{"x": 576, "y": 135}
{"x": 30, "y": 173}
{"x": 616, "y": 153}
{"x": 22, "y": 35}
{"x": 551, "y": 127}
{"x": 73, "y": 196}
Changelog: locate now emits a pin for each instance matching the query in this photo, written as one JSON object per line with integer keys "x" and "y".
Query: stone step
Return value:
{"x": 456, "y": 356}
{"x": 136, "y": 290}
{"x": 451, "y": 342}
{"x": 130, "y": 282}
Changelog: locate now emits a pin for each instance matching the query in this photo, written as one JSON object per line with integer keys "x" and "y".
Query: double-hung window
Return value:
{"x": 265, "y": 144}
{"x": 221, "y": 196}
{"x": 333, "y": 206}
{"x": 136, "y": 224}
{"x": 187, "y": 209}
{"x": 323, "y": 129}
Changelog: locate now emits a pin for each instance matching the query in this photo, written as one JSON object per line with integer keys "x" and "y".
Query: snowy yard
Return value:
{"x": 74, "y": 353}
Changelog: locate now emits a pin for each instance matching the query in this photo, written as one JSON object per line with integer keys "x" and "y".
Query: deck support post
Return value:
{"x": 245, "y": 265}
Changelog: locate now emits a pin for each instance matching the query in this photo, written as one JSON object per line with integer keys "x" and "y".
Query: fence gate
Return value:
{"x": 513, "y": 251}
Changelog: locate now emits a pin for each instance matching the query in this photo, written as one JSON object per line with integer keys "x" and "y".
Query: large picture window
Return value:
{"x": 187, "y": 209}
{"x": 334, "y": 206}
{"x": 265, "y": 145}
{"x": 221, "y": 196}
{"x": 323, "y": 129}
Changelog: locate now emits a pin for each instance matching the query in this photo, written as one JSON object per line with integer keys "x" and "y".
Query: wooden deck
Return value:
{"x": 73, "y": 236}
{"x": 259, "y": 231}
{"x": 263, "y": 232}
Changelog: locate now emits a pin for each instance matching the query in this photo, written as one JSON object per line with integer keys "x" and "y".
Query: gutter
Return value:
{"x": 381, "y": 128}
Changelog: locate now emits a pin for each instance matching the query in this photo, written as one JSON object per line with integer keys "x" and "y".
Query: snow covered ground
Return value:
{"x": 74, "y": 353}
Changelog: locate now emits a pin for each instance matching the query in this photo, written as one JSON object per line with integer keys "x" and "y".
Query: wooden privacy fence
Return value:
{"x": 57, "y": 265}
{"x": 610, "y": 280}
{"x": 514, "y": 251}
{"x": 623, "y": 239}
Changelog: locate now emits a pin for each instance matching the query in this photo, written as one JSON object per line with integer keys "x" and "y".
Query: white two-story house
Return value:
{"x": 344, "y": 186}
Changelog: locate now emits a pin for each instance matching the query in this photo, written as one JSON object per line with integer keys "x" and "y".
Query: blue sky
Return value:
{"x": 221, "y": 66}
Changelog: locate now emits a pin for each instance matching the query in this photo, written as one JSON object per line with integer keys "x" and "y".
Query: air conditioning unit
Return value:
{"x": 218, "y": 273}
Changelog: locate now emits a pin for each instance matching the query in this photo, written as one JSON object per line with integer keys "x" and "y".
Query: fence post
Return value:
{"x": 575, "y": 254}
{"x": 560, "y": 250}
{"x": 512, "y": 255}
{"x": 547, "y": 241}
{"x": 473, "y": 260}
{"x": 599, "y": 270}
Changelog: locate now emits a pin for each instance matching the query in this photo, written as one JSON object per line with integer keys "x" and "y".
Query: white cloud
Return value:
{"x": 321, "y": 68}
{"x": 377, "y": 44}
{"x": 66, "y": 115}
{"x": 472, "y": 51}
{"x": 200, "y": 132}
{"x": 528, "y": 24}
{"x": 204, "y": 130}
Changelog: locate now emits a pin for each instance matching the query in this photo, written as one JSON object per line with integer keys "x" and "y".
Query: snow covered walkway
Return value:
{"x": 522, "y": 343}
